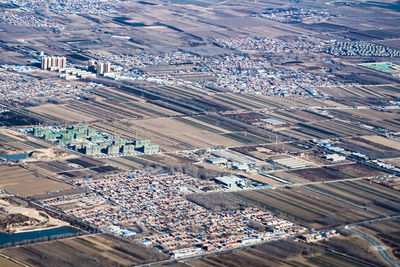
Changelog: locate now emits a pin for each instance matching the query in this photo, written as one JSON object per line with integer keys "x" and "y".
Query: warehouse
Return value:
{"x": 217, "y": 160}
{"x": 231, "y": 182}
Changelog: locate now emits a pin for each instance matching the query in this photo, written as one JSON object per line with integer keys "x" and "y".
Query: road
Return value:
{"x": 292, "y": 185}
{"x": 381, "y": 249}
{"x": 170, "y": 261}
{"x": 343, "y": 200}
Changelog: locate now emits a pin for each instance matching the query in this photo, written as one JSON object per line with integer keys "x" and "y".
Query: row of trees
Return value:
{"x": 40, "y": 239}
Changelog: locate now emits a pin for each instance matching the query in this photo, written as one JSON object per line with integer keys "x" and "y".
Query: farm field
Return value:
{"x": 94, "y": 250}
{"x": 8, "y": 263}
{"x": 387, "y": 233}
{"x": 163, "y": 131}
{"x": 380, "y": 140}
{"x": 373, "y": 146}
{"x": 326, "y": 205}
{"x": 20, "y": 181}
{"x": 12, "y": 142}
{"x": 62, "y": 113}
{"x": 290, "y": 253}
{"x": 291, "y": 97}
{"x": 326, "y": 173}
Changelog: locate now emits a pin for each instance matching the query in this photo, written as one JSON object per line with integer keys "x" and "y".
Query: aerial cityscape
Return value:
{"x": 199, "y": 133}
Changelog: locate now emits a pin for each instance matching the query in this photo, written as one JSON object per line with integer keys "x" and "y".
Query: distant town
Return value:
{"x": 199, "y": 133}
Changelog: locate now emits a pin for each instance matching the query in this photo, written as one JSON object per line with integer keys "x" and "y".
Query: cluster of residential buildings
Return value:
{"x": 16, "y": 18}
{"x": 53, "y": 62}
{"x": 59, "y": 64}
{"x": 157, "y": 201}
{"x": 143, "y": 60}
{"x": 90, "y": 141}
{"x": 100, "y": 67}
{"x": 63, "y": 7}
{"x": 295, "y": 15}
{"x": 255, "y": 75}
{"x": 362, "y": 49}
{"x": 17, "y": 88}
{"x": 238, "y": 73}
{"x": 318, "y": 236}
{"x": 298, "y": 45}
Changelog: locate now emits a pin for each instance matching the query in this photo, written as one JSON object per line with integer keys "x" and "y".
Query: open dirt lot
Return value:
{"x": 41, "y": 220}
{"x": 23, "y": 182}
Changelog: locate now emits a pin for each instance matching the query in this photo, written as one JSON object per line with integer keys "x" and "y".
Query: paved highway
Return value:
{"x": 382, "y": 250}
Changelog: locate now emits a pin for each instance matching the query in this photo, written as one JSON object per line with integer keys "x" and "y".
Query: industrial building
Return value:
{"x": 274, "y": 122}
{"x": 231, "y": 182}
{"x": 217, "y": 160}
{"x": 335, "y": 157}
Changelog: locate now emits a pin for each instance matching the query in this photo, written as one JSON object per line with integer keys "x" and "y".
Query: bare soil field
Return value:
{"x": 290, "y": 253}
{"x": 326, "y": 205}
{"x": 374, "y": 149}
{"x": 172, "y": 135}
{"x": 383, "y": 141}
{"x": 22, "y": 182}
{"x": 326, "y": 173}
{"x": 388, "y": 233}
{"x": 62, "y": 113}
{"x": 7, "y": 262}
{"x": 94, "y": 250}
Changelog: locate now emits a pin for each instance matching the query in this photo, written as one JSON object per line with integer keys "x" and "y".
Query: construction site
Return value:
{"x": 89, "y": 141}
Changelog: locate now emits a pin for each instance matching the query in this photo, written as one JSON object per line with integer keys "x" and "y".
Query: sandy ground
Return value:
{"x": 48, "y": 154}
{"x": 32, "y": 213}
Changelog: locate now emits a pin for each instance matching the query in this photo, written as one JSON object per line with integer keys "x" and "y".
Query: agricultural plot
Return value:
{"x": 334, "y": 259}
{"x": 327, "y": 173}
{"x": 299, "y": 134}
{"x": 20, "y": 181}
{"x": 287, "y": 253}
{"x": 62, "y": 113}
{"x": 334, "y": 128}
{"x": 374, "y": 118}
{"x": 388, "y": 234}
{"x": 375, "y": 199}
{"x": 373, "y": 146}
{"x": 297, "y": 116}
{"x": 13, "y": 142}
{"x": 380, "y": 140}
{"x": 94, "y": 250}
{"x": 271, "y": 254}
{"x": 247, "y": 138}
{"x": 325, "y": 205}
{"x": 172, "y": 134}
